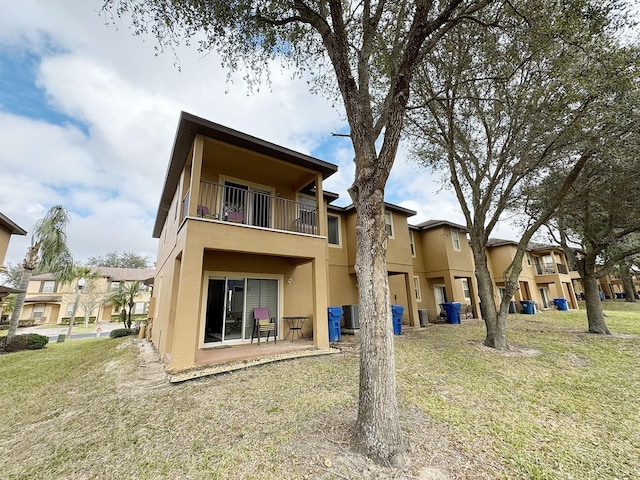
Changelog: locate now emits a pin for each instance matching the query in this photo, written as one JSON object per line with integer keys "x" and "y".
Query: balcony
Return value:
{"x": 248, "y": 206}
{"x": 551, "y": 269}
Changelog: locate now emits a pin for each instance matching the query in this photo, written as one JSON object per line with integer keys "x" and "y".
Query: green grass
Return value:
{"x": 562, "y": 404}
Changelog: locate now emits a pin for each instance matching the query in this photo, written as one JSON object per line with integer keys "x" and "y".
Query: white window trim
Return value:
{"x": 416, "y": 288}
{"x": 390, "y": 224}
{"x": 412, "y": 243}
{"x": 457, "y": 246}
{"x": 339, "y": 244}
{"x": 467, "y": 289}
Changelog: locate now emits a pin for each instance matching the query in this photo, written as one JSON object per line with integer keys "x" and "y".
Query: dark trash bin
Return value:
{"x": 396, "y": 314}
{"x": 513, "y": 307}
{"x": 423, "y": 315}
{"x": 620, "y": 295}
{"x": 452, "y": 309}
{"x": 334, "y": 314}
{"x": 561, "y": 303}
{"x": 351, "y": 316}
{"x": 528, "y": 307}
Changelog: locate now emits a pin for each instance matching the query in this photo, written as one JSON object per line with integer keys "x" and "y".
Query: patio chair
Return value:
{"x": 263, "y": 323}
{"x": 202, "y": 211}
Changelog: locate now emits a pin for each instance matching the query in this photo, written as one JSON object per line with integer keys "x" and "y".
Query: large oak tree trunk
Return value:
{"x": 595, "y": 315}
{"x": 495, "y": 321}
{"x": 378, "y": 433}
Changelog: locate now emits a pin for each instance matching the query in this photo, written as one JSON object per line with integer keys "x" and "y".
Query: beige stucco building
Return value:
{"x": 7, "y": 228}
{"x": 48, "y": 301}
{"x": 243, "y": 224}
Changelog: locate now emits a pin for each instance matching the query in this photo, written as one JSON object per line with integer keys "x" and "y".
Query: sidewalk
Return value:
{"x": 55, "y": 330}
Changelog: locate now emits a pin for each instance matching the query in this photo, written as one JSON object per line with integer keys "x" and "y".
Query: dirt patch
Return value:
{"x": 512, "y": 351}
{"x": 323, "y": 450}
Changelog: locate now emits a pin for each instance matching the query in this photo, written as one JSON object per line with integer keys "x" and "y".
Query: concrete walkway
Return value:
{"x": 53, "y": 331}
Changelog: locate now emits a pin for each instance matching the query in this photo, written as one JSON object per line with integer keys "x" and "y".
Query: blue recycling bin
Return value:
{"x": 452, "y": 309}
{"x": 396, "y": 314}
{"x": 528, "y": 307}
{"x": 601, "y": 294}
{"x": 561, "y": 303}
{"x": 334, "y": 314}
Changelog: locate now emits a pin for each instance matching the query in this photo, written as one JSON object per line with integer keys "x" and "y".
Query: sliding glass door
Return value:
{"x": 230, "y": 304}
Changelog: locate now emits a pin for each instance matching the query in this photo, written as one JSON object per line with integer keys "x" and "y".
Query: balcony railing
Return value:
{"x": 550, "y": 269}
{"x": 254, "y": 207}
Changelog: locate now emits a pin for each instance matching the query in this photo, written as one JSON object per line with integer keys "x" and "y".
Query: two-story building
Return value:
{"x": 545, "y": 273}
{"x": 48, "y": 301}
{"x": 443, "y": 267}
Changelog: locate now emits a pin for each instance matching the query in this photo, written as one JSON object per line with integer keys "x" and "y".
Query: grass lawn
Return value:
{"x": 561, "y": 404}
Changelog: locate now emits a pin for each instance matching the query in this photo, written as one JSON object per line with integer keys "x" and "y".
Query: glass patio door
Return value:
{"x": 230, "y": 304}
{"x": 224, "y": 319}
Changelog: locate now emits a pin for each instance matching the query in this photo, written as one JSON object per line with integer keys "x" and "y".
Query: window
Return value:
{"x": 528, "y": 259}
{"x": 416, "y": 288}
{"x": 48, "y": 286}
{"x": 412, "y": 243}
{"x": 456, "y": 240}
{"x": 466, "y": 291}
{"x": 388, "y": 224}
{"x": 38, "y": 310}
{"x": 334, "y": 229}
{"x": 115, "y": 285}
{"x": 140, "y": 307}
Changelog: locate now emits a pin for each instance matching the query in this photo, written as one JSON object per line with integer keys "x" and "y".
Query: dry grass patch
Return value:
{"x": 562, "y": 405}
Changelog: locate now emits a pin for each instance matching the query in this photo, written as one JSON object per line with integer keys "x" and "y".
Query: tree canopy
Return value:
{"x": 119, "y": 260}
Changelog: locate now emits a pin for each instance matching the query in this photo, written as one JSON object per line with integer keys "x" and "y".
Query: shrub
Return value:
{"x": 120, "y": 332}
{"x": 29, "y": 341}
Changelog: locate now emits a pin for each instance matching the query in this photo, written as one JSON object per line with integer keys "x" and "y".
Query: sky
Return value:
{"x": 88, "y": 113}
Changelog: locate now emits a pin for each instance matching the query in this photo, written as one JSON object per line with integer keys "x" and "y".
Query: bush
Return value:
{"x": 29, "y": 341}
{"x": 120, "y": 332}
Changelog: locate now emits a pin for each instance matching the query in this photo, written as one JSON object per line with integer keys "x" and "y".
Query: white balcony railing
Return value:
{"x": 253, "y": 207}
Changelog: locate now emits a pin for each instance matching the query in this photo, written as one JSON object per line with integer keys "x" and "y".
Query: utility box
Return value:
{"x": 351, "y": 317}
{"x": 423, "y": 316}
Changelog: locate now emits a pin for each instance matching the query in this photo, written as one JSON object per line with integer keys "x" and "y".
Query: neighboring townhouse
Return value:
{"x": 545, "y": 273}
{"x": 242, "y": 224}
{"x": 49, "y": 301}
{"x": 343, "y": 289}
{"x": 443, "y": 267}
{"x": 7, "y": 228}
{"x": 552, "y": 274}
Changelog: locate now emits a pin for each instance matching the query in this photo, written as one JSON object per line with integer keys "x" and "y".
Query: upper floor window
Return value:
{"x": 455, "y": 237}
{"x": 333, "y": 223}
{"x": 115, "y": 285}
{"x": 48, "y": 286}
{"x": 388, "y": 224}
{"x": 412, "y": 243}
{"x": 528, "y": 259}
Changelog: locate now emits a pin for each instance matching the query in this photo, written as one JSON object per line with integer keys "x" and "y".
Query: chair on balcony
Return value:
{"x": 202, "y": 211}
{"x": 263, "y": 323}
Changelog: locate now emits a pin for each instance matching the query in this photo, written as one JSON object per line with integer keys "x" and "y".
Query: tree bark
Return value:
{"x": 495, "y": 322}
{"x": 627, "y": 283}
{"x": 20, "y": 297}
{"x": 378, "y": 433}
{"x": 595, "y": 315}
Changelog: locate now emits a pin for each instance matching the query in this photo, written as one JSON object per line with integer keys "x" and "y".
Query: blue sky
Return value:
{"x": 88, "y": 113}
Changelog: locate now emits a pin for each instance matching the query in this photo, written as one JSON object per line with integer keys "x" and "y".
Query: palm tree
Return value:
{"x": 118, "y": 298}
{"x": 131, "y": 292}
{"x": 88, "y": 274}
{"x": 48, "y": 252}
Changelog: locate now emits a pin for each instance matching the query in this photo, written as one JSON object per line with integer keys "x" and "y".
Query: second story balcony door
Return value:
{"x": 244, "y": 204}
